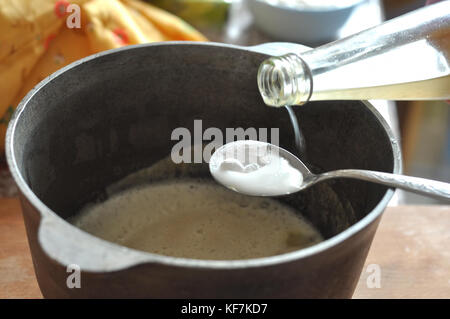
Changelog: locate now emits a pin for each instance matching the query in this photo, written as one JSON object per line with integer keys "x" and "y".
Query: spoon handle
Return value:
{"x": 417, "y": 185}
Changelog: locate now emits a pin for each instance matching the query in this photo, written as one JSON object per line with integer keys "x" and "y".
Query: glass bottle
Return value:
{"x": 406, "y": 58}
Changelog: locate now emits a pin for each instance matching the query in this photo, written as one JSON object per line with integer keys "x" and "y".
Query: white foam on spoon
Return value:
{"x": 254, "y": 168}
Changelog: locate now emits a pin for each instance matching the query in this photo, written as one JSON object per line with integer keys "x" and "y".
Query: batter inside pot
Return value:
{"x": 197, "y": 218}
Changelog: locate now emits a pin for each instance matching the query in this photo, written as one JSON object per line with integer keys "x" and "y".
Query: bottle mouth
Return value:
{"x": 283, "y": 81}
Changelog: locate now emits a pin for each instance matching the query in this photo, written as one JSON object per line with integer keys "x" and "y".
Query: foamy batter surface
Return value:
{"x": 197, "y": 219}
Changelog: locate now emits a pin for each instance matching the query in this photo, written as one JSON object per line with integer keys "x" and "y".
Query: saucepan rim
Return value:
{"x": 145, "y": 257}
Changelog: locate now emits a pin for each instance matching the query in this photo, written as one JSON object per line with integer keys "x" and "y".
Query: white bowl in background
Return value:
{"x": 303, "y": 24}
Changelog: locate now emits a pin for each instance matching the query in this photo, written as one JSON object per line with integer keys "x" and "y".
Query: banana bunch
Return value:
{"x": 41, "y": 36}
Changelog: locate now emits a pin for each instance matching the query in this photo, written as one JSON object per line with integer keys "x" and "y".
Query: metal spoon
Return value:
{"x": 417, "y": 185}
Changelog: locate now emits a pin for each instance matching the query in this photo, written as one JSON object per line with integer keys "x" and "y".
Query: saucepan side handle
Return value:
{"x": 69, "y": 245}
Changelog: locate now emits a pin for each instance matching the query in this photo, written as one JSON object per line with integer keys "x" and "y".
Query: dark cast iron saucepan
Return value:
{"x": 111, "y": 114}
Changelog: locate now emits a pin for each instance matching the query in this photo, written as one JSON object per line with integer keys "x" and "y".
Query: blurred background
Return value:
{"x": 422, "y": 127}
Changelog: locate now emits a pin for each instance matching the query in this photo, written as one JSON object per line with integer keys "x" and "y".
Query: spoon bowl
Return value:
{"x": 249, "y": 156}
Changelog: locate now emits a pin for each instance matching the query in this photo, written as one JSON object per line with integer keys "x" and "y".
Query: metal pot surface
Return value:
{"x": 111, "y": 114}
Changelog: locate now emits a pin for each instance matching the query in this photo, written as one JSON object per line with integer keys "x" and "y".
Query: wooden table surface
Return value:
{"x": 411, "y": 251}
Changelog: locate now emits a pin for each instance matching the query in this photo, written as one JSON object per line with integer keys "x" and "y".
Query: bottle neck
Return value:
{"x": 285, "y": 80}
